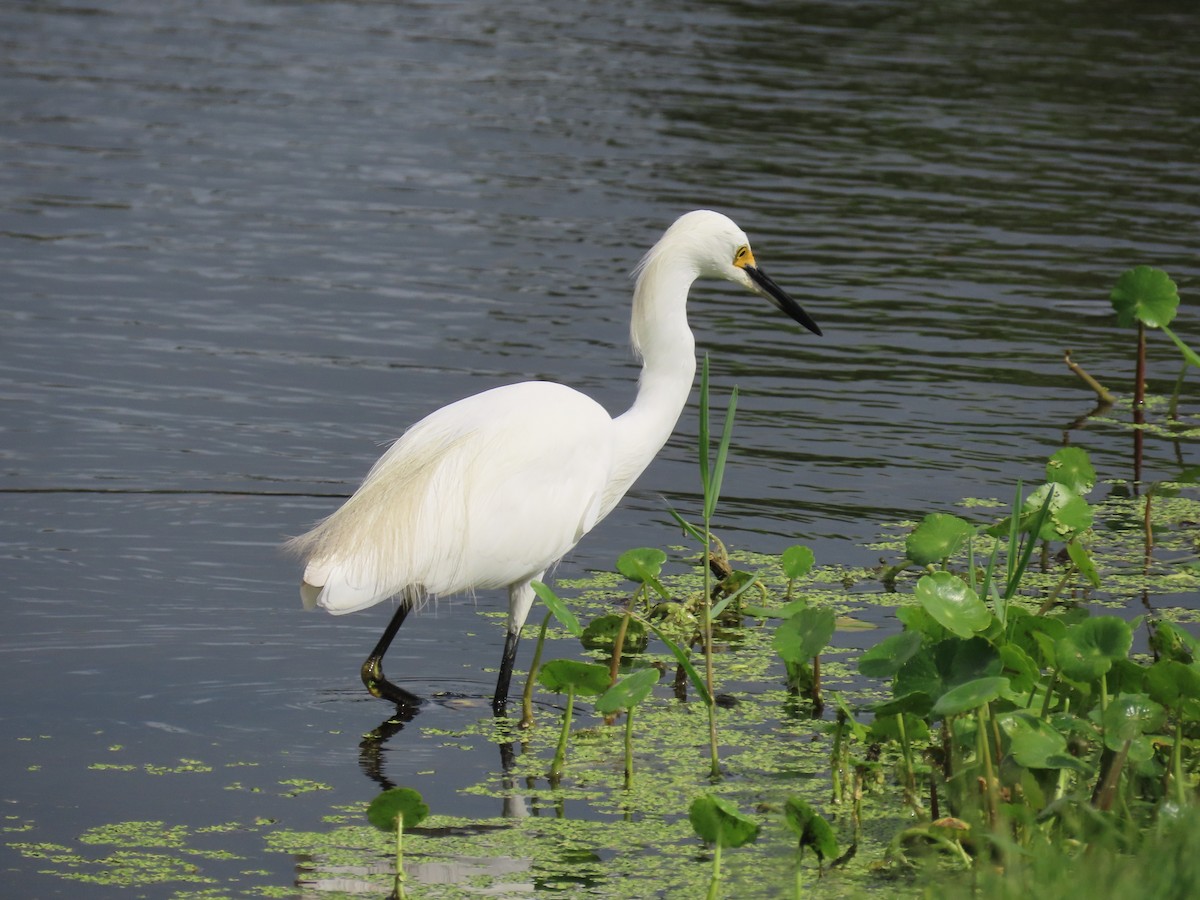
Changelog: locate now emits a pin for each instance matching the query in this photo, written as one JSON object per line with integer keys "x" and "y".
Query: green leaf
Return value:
{"x": 628, "y": 692}
{"x": 710, "y": 479}
{"x": 935, "y": 669}
{"x": 561, "y": 675}
{"x": 1035, "y": 634}
{"x": 960, "y": 661}
{"x": 553, "y": 603}
{"x": 1147, "y": 295}
{"x": 687, "y": 526}
{"x": 1171, "y": 682}
{"x": 1022, "y": 669}
{"x": 797, "y": 561}
{"x": 937, "y": 537}
{"x": 737, "y": 583}
{"x": 1069, "y": 513}
{"x": 1172, "y": 642}
{"x": 914, "y": 618}
{"x": 953, "y": 603}
{"x": 718, "y": 821}
{"x": 718, "y": 474}
{"x": 1082, "y": 557}
{"x": 1129, "y": 716}
{"x": 601, "y": 634}
{"x": 886, "y": 728}
{"x": 971, "y": 695}
{"x": 919, "y": 674}
{"x": 641, "y": 564}
{"x": 916, "y": 702}
{"x": 810, "y": 827}
{"x": 1033, "y": 742}
{"x": 644, "y": 565}
{"x": 1071, "y": 467}
{"x": 684, "y": 659}
{"x": 1089, "y": 649}
{"x": 804, "y": 635}
{"x": 885, "y": 658}
{"x": 387, "y": 809}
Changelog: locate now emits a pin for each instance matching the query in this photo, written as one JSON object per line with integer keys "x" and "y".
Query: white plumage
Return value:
{"x": 480, "y": 494}
{"x": 492, "y": 490}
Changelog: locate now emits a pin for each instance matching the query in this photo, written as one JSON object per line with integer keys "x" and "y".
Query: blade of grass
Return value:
{"x": 687, "y": 526}
{"x": 718, "y": 473}
{"x": 1014, "y": 537}
{"x": 719, "y": 608}
{"x": 684, "y": 659}
{"x": 1027, "y": 550}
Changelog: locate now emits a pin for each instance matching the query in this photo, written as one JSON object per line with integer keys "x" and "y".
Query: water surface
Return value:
{"x": 244, "y": 243}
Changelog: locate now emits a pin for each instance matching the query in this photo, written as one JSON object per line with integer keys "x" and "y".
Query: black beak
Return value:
{"x": 781, "y": 298}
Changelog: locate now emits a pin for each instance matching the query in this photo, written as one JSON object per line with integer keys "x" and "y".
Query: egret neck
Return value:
{"x": 663, "y": 341}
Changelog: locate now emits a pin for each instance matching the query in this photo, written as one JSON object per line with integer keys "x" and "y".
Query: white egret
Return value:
{"x": 492, "y": 490}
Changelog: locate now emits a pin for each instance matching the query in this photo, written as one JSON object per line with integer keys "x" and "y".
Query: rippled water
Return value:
{"x": 244, "y": 242}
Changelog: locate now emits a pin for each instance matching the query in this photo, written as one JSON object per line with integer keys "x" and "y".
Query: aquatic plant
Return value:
{"x": 799, "y": 640}
{"x": 1035, "y": 716}
{"x": 570, "y": 677}
{"x": 718, "y": 822}
{"x": 555, "y": 608}
{"x": 796, "y": 562}
{"x": 390, "y": 812}
{"x": 1148, "y": 298}
{"x": 812, "y": 831}
{"x": 643, "y": 566}
{"x": 626, "y": 694}
{"x": 712, "y": 473}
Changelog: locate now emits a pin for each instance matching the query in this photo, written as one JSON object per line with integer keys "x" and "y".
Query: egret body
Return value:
{"x": 492, "y": 490}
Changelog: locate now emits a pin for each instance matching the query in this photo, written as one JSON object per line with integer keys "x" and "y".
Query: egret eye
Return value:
{"x": 743, "y": 253}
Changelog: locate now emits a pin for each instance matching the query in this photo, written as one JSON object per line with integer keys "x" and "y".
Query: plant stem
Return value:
{"x": 714, "y": 759}
{"x": 629, "y": 748}
{"x": 985, "y": 754}
{"x": 714, "y": 883}
{"x": 910, "y": 779}
{"x": 1106, "y": 790}
{"x": 560, "y": 755}
{"x": 710, "y": 478}
{"x": 1102, "y": 393}
{"x": 399, "y": 883}
{"x": 835, "y": 761}
{"x": 619, "y": 644}
{"x": 1052, "y": 598}
{"x": 1177, "y": 762}
{"x": 1139, "y": 404}
{"x": 1173, "y": 409}
{"x": 1139, "y": 385}
{"x": 1049, "y": 694}
{"x": 527, "y": 697}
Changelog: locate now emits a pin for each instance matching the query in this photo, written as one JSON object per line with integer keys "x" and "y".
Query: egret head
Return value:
{"x": 722, "y": 250}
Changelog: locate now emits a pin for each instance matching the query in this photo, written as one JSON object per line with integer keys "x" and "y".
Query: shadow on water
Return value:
{"x": 372, "y": 758}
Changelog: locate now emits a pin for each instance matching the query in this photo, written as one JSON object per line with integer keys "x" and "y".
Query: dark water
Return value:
{"x": 243, "y": 243}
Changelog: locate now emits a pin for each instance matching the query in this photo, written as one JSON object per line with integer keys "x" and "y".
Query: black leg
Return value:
{"x": 372, "y": 669}
{"x": 500, "y": 700}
